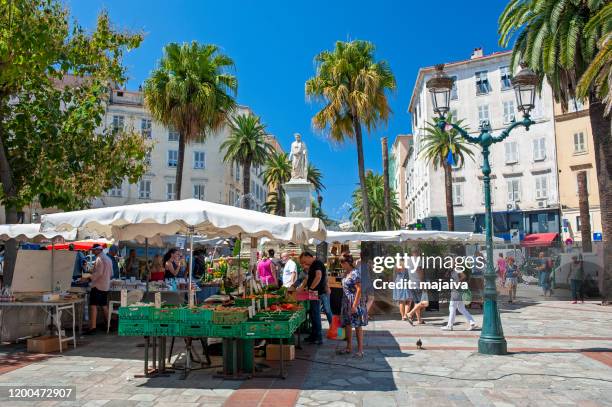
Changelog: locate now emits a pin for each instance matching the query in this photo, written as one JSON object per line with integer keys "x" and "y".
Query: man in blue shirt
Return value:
{"x": 79, "y": 262}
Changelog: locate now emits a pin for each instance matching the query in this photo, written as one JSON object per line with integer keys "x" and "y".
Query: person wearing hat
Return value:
{"x": 100, "y": 285}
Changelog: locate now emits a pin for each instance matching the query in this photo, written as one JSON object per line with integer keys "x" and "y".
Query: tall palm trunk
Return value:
{"x": 602, "y": 139}
{"x": 367, "y": 222}
{"x": 280, "y": 197}
{"x": 585, "y": 218}
{"x": 179, "y": 166}
{"x": 386, "y": 191}
{"x": 448, "y": 186}
{"x": 10, "y": 212}
{"x": 246, "y": 184}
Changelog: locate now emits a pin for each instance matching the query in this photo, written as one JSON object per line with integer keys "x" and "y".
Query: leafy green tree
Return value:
{"x": 376, "y": 196}
{"x": 314, "y": 176}
{"x": 560, "y": 40}
{"x": 53, "y": 87}
{"x": 277, "y": 172}
{"x": 247, "y": 146}
{"x": 436, "y": 147}
{"x": 353, "y": 86}
{"x": 192, "y": 92}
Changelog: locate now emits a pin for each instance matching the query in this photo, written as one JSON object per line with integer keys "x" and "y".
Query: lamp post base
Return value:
{"x": 492, "y": 341}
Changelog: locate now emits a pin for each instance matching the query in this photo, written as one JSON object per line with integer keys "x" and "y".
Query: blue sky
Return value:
{"x": 273, "y": 44}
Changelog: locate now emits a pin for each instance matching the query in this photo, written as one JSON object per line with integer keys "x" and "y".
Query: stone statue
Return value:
{"x": 299, "y": 158}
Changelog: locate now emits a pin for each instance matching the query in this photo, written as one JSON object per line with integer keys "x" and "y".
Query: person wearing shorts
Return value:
{"x": 511, "y": 279}
{"x": 100, "y": 285}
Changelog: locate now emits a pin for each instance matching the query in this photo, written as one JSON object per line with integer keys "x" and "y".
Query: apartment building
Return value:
{"x": 575, "y": 153}
{"x": 205, "y": 175}
{"x": 397, "y": 171}
{"x": 524, "y": 170}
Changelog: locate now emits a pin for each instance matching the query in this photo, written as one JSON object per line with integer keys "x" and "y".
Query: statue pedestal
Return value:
{"x": 298, "y": 198}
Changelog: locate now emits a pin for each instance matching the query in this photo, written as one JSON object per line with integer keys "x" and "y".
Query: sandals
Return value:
{"x": 359, "y": 355}
{"x": 343, "y": 351}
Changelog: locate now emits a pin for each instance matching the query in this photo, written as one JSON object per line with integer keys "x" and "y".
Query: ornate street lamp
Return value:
{"x": 492, "y": 341}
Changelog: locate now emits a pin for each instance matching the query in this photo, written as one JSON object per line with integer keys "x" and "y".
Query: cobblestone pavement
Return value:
{"x": 549, "y": 341}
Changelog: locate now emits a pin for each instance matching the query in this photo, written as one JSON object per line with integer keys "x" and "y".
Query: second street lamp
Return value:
{"x": 491, "y": 341}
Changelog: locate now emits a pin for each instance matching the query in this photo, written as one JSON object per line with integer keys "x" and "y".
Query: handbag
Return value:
{"x": 466, "y": 297}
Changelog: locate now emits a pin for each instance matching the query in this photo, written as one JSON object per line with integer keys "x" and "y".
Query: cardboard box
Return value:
{"x": 273, "y": 352}
{"x": 43, "y": 344}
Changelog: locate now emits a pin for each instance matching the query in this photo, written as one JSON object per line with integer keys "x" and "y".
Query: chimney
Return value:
{"x": 477, "y": 53}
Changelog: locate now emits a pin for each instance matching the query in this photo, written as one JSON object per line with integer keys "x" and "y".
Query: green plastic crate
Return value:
{"x": 165, "y": 328}
{"x": 195, "y": 330}
{"x": 226, "y": 331}
{"x": 226, "y": 317}
{"x": 135, "y": 312}
{"x": 196, "y": 315}
{"x": 166, "y": 314}
{"x": 134, "y": 327}
{"x": 247, "y": 302}
{"x": 256, "y": 329}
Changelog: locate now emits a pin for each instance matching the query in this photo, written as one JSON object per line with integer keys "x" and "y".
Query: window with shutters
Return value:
{"x": 482, "y": 83}
{"x": 172, "y": 158}
{"x": 145, "y": 128}
{"x": 118, "y": 122}
{"x": 457, "y": 194}
{"x": 511, "y": 150}
{"x": 453, "y": 94}
{"x": 506, "y": 77}
{"x": 198, "y": 192}
{"x": 144, "y": 189}
{"x": 173, "y": 134}
{"x": 579, "y": 143}
{"x": 541, "y": 187}
{"x": 539, "y": 149}
{"x": 508, "y": 111}
{"x": 483, "y": 113}
{"x": 199, "y": 160}
{"x": 514, "y": 190}
{"x": 170, "y": 191}
{"x": 116, "y": 191}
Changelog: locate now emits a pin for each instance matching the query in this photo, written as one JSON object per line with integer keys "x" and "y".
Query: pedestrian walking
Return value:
{"x": 501, "y": 270}
{"x": 544, "y": 269}
{"x": 576, "y": 279}
{"x": 512, "y": 275}
{"x": 456, "y": 304}
{"x": 354, "y": 314}
{"x": 420, "y": 297}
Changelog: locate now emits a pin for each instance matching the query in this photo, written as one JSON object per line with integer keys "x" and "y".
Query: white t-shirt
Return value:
{"x": 288, "y": 271}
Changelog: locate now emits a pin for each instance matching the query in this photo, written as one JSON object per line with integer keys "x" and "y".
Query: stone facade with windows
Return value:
{"x": 524, "y": 190}
{"x": 205, "y": 175}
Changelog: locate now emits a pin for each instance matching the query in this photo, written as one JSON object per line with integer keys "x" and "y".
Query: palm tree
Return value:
{"x": 191, "y": 92}
{"x": 353, "y": 87}
{"x": 378, "y": 210}
{"x": 556, "y": 41}
{"x": 247, "y": 146}
{"x": 437, "y": 145}
{"x": 314, "y": 176}
{"x": 277, "y": 172}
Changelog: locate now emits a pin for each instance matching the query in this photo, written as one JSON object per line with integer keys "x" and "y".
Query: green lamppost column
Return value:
{"x": 492, "y": 341}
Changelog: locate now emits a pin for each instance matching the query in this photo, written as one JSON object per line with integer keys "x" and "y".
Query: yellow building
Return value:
{"x": 575, "y": 153}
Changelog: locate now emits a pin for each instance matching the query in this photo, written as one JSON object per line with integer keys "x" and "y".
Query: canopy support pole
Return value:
{"x": 191, "y": 299}
{"x": 147, "y": 271}
{"x": 52, "y": 265}
{"x": 253, "y": 262}
{"x": 243, "y": 283}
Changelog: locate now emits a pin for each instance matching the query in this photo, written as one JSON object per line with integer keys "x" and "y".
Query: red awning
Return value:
{"x": 84, "y": 245}
{"x": 539, "y": 239}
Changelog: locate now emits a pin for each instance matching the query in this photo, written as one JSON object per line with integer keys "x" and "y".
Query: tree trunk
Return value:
{"x": 179, "y": 166}
{"x": 246, "y": 184}
{"x": 9, "y": 190}
{"x": 585, "y": 218}
{"x": 367, "y": 222}
{"x": 280, "y": 196}
{"x": 602, "y": 139}
{"x": 386, "y": 191}
{"x": 448, "y": 186}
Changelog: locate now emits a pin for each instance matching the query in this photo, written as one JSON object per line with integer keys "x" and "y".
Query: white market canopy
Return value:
{"x": 188, "y": 216}
{"x": 31, "y": 232}
{"x": 408, "y": 235}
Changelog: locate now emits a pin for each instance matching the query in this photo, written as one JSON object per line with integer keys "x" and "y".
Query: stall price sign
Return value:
{"x": 180, "y": 242}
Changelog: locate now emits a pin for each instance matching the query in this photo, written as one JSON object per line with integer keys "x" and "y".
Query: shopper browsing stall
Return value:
{"x": 172, "y": 264}
{"x": 289, "y": 270}
{"x": 354, "y": 305}
{"x": 100, "y": 285}
{"x": 316, "y": 281}
{"x": 265, "y": 273}
{"x": 157, "y": 269}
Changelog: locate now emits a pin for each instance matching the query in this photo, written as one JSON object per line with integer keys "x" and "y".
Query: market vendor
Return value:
{"x": 172, "y": 264}
{"x": 316, "y": 281}
{"x": 131, "y": 265}
{"x": 100, "y": 285}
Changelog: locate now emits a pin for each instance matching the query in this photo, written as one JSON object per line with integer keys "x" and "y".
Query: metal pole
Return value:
{"x": 191, "y": 302}
{"x": 147, "y": 271}
{"x": 52, "y": 265}
{"x": 491, "y": 341}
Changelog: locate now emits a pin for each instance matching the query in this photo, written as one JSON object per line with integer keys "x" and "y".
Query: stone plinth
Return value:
{"x": 297, "y": 198}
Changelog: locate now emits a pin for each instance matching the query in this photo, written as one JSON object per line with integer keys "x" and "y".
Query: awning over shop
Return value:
{"x": 31, "y": 232}
{"x": 408, "y": 235}
{"x": 82, "y": 244}
{"x": 539, "y": 239}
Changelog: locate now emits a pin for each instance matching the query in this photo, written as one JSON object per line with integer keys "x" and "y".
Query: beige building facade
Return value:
{"x": 398, "y": 158}
{"x": 575, "y": 153}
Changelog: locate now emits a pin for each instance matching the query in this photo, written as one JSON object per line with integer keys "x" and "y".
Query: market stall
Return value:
{"x": 192, "y": 217}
